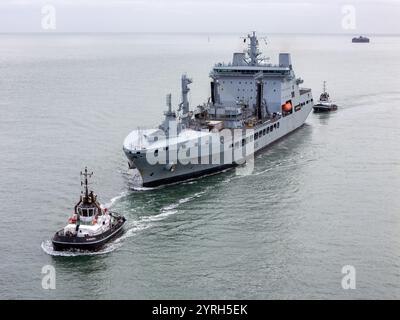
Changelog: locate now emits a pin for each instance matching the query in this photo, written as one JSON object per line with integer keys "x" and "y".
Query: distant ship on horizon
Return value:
{"x": 360, "y": 39}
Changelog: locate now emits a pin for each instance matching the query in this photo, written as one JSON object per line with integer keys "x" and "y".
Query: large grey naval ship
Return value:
{"x": 253, "y": 103}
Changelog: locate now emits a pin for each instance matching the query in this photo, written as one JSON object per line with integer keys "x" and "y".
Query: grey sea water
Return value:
{"x": 322, "y": 198}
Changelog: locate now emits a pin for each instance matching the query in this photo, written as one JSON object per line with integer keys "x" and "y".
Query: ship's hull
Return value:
{"x": 325, "y": 108}
{"x": 95, "y": 243}
{"x": 159, "y": 174}
{"x": 360, "y": 41}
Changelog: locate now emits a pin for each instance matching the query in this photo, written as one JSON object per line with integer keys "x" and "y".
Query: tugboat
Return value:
{"x": 90, "y": 226}
{"x": 360, "y": 39}
{"x": 324, "y": 104}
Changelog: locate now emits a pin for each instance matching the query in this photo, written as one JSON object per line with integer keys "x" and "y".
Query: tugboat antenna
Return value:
{"x": 84, "y": 183}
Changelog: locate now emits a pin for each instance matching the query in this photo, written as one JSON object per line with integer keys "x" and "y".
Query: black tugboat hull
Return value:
{"x": 324, "y": 108}
{"x": 360, "y": 41}
{"x": 63, "y": 243}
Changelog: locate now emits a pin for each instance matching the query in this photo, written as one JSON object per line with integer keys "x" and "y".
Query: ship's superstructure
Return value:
{"x": 253, "y": 103}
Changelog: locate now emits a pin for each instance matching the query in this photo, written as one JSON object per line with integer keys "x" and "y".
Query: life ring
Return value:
{"x": 94, "y": 221}
{"x": 72, "y": 220}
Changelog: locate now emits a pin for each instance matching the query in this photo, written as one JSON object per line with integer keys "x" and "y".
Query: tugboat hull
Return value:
{"x": 94, "y": 243}
{"x": 321, "y": 108}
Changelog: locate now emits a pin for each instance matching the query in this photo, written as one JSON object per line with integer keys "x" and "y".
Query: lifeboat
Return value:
{"x": 287, "y": 107}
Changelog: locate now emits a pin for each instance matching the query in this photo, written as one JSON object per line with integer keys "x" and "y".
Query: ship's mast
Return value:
{"x": 324, "y": 87}
{"x": 184, "y": 105}
{"x": 170, "y": 116}
{"x": 85, "y": 175}
{"x": 253, "y": 49}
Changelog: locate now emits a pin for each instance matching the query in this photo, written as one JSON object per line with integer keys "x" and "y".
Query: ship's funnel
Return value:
{"x": 285, "y": 60}
{"x": 238, "y": 59}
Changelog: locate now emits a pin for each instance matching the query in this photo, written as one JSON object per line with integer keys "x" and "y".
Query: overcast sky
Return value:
{"x": 271, "y": 16}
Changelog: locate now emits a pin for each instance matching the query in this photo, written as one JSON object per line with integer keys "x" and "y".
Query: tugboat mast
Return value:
{"x": 85, "y": 183}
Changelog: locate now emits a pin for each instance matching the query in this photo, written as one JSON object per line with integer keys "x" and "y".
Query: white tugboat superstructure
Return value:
{"x": 263, "y": 101}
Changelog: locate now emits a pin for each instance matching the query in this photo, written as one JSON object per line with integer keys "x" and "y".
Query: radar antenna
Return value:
{"x": 252, "y": 51}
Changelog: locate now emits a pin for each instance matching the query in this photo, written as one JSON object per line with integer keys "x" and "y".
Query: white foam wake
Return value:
{"x": 115, "y": 199}
{"x": 48, "y": 248}
{"x": 132, "y": 227}
{"x": 146, "y": 222}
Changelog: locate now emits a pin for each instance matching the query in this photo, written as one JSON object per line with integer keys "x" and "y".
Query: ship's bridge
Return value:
{"x": 241, "y": 67}
{"x": 267, "y": 70}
